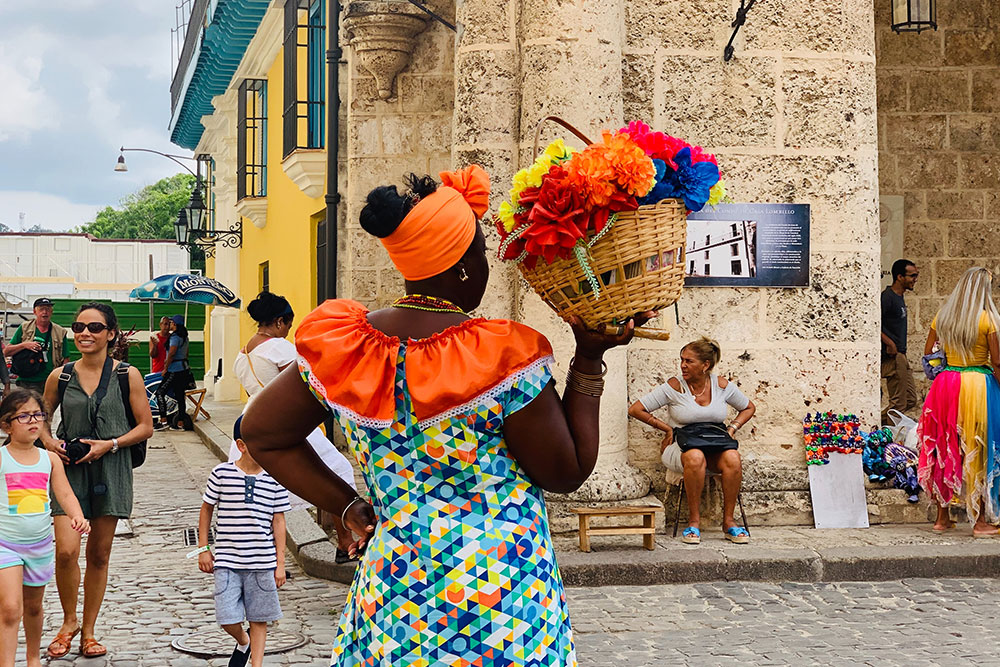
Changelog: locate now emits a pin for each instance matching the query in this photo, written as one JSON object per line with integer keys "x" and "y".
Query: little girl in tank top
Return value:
{"x": 27, "y": 553}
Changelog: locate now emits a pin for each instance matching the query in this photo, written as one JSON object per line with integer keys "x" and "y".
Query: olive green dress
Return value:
{"x": 113, "y": 470}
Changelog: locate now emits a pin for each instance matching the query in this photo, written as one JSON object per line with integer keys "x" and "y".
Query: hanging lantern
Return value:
{"x": 914, "y": 15}
{"x": 181, "y": 227}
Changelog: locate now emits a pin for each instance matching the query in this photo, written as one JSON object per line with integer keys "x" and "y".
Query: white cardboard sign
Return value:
{"x": 838, "y": 492}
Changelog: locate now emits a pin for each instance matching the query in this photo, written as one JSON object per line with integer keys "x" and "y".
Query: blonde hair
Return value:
{"x": 706, "y": 350}
{"x": 958, "y": 320}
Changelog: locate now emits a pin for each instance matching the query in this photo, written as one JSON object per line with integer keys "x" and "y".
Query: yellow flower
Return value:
{"x": 531, "y": 177}
{"x": 557, "y": 150}
{"x": 506, "y": 215}
{"x": 520, "y": 182}
{"x": 717, "y": 193}
{"x": 536, "y": 171}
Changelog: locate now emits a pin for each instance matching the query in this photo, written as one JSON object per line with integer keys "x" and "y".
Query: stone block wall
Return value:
{"x": 387, "y": 139}
{"x": 792, "y": 119}
{"x": 939, "y": 148}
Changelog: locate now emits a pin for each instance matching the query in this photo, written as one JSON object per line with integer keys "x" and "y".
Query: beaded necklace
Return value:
{"x": 431, "y": 304}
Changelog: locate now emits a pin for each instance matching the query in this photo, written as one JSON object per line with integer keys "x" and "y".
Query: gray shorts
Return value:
{"x": 245, "y": 595}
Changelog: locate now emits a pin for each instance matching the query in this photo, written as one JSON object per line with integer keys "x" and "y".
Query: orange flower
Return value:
{"x": 590, "y": 173}
{"x": 633, "y": 170}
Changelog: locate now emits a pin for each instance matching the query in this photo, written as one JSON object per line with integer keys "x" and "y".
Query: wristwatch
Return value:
{"x": 114, "y": 445}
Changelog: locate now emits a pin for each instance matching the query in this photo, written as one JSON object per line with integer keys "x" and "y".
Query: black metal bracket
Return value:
{"x": 420, "y": 5}
{"x": 208, "y": 238}
{"x": 741, "y": 18}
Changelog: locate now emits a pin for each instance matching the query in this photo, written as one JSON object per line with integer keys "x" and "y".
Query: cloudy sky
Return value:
{"x": 78, "y": 80}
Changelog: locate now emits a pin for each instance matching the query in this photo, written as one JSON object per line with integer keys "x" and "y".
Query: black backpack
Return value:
{"x": 28, "y": 363}
{"x": 138, "y": 450}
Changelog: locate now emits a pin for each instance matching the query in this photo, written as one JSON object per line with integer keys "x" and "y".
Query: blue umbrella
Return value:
{"x": 186, "y": 288}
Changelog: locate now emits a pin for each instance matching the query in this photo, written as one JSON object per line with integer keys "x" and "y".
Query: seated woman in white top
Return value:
{"x": 265, "y": 355}
{"x": 698, "y": 396}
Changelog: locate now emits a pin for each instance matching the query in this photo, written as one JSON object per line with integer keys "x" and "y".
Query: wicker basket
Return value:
{"x": 639, "y": 265}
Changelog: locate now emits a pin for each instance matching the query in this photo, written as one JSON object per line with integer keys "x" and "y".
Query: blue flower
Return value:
{"x": 690, "y": 182}
{"x": 665, "y": 187}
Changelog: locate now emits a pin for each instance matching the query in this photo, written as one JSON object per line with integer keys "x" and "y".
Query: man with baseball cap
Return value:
{"x": 40, "y": 335}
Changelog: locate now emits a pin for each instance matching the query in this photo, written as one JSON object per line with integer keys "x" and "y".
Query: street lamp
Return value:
{"x": 181, "y": 228}
{"x": 189, "y": 228}
{"x": 196, "y": 212}
{"x": 914, "y": 15}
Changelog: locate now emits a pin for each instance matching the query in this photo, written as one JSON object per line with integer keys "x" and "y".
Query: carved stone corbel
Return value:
{"x": 382, "y": 36}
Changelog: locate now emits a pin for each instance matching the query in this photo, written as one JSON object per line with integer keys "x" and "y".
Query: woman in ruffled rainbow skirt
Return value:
{"x": 959, "y": 430}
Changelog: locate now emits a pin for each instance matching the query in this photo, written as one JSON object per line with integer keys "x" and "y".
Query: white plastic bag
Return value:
{"x": 904, "y": 429}
{"x": 671, "y": 458}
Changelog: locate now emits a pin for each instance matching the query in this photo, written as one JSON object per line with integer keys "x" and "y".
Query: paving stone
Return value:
{"x": 155, "y": 595}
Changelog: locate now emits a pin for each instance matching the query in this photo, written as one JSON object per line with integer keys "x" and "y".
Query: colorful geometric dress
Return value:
{"x": 460, "y": 570}
{"x": 959, "y": 430}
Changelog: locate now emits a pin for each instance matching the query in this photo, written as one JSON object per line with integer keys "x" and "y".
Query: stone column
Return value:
{"x": 485, "y": 126}
{"x": 572, "y": 67}
{"x": 225, "y": 322}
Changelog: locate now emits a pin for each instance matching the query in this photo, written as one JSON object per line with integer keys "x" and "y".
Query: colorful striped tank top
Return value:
{"x": 27, "y": 517}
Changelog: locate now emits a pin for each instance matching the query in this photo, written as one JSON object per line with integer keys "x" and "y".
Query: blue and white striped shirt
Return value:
{"x": 244, "y": 538}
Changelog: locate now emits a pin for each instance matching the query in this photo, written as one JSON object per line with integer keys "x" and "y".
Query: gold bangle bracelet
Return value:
{"x": 584, "y": 385}
{"x": 588, "y": 384}
{"x": 589, "y": 376}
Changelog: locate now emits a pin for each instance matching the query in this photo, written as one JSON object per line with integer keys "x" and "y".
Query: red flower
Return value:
{"x": 619, "y": 202}
{"x": 557, "y": 220}
{"x": 699, "y": 155}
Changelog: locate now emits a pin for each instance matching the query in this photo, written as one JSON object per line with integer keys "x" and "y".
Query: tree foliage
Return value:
{"x": 147, "y": 214}
{"x": 34, "y": 229}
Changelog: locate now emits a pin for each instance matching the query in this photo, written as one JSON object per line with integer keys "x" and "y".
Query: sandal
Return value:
{"x": 738, "y": 535}
{"x": 691, "y": 535}
{"x": 90, "y": 648}
{"x": 343, "y": 556}
{"x": 939, "y": 531}
{"x": 60, "y": 645}
{"x": 985, "y": 536}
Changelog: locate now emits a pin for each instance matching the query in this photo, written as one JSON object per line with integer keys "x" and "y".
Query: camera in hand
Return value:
{"x": 76, "y": 450}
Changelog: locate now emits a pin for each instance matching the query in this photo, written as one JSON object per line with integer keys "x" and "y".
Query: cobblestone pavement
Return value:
{"x": 910, "y": 622}
{"x": 155, "y": 595}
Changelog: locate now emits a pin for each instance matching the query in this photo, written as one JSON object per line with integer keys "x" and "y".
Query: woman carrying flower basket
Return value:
{"x": 444, "y": 413}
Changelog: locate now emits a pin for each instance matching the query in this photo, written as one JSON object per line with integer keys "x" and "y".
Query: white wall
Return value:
{"x": 79, "y": 266}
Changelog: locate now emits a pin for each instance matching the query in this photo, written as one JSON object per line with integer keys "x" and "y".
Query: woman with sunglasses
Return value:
{"x": 101, "y": 480}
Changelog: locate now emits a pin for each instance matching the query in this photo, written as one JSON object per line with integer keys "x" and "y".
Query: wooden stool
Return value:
{"x": 197, "y": 396}
{"x": 647, "y": 529}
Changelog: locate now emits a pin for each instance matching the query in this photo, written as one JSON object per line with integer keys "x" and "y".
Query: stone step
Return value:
{"x": 794, "y": 507}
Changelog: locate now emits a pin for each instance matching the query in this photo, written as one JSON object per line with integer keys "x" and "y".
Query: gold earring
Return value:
{"x": 462, "y": 275}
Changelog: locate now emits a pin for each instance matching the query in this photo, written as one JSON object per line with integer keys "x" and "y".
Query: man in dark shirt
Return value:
{"x": 895, "y": 368}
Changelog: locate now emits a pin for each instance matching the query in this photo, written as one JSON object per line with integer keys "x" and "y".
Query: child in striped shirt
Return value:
{"x": 248, "y": 558}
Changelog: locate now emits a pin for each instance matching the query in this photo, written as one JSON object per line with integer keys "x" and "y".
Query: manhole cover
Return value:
{"x": 217, "y": 644}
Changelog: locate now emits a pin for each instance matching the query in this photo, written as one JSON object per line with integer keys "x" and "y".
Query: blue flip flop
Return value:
{"x": 738, "y": 535}
{"x": 691, "y": 535}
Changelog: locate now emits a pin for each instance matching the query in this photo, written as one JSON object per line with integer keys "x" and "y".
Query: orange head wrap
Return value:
{"x": 439, "y": 229}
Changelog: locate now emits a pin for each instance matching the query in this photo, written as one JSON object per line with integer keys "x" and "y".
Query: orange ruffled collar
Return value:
{"x": 352, "y": 365}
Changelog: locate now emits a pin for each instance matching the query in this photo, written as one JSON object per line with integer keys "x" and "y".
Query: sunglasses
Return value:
{"x": 29, "y": 417}
{"x": 92, "y": 327}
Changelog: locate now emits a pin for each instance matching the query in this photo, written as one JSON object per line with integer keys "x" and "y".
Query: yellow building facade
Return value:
{"x": 275, "y": 196}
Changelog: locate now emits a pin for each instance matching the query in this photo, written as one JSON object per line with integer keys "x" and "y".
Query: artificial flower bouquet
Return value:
{"x": 567, "y": 201}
